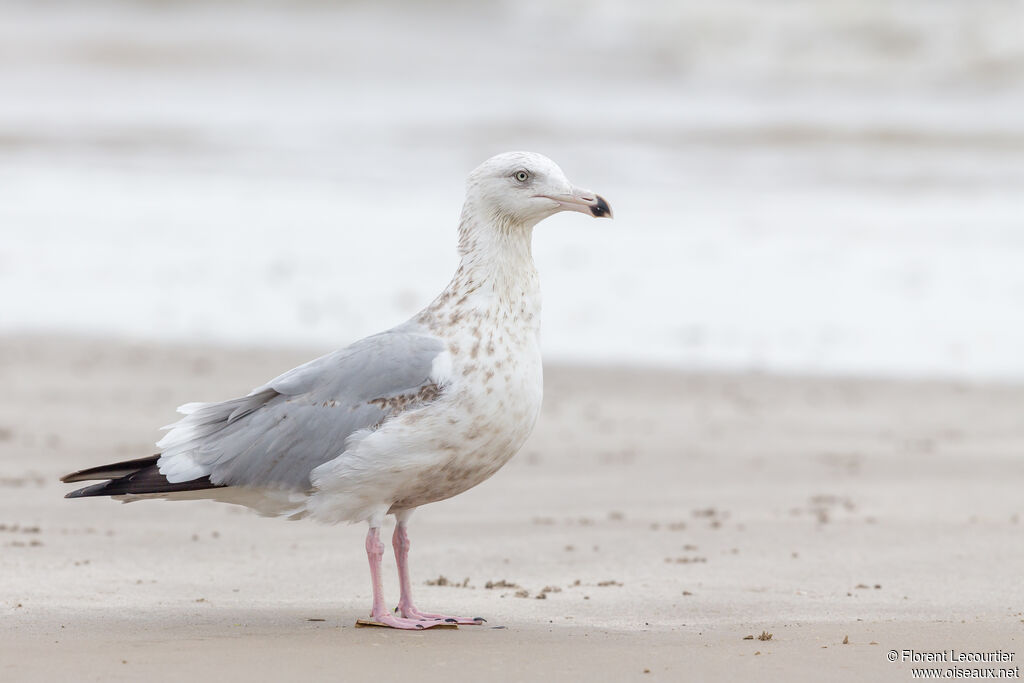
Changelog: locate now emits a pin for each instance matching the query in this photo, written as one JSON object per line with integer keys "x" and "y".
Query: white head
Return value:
{"x": 525, "y": 188}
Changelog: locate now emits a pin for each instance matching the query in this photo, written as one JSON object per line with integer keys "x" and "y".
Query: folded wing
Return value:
{"x": 280, "y": 432}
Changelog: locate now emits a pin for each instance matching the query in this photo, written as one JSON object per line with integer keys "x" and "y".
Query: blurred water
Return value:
{"x": 798, "y": 184}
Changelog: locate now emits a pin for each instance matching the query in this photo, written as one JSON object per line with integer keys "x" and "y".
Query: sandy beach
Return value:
{"x": 653, "y": 523}
{"x": 815, "y": 204}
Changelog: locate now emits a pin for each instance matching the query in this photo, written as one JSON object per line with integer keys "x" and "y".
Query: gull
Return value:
{"x": 410, "y": 416}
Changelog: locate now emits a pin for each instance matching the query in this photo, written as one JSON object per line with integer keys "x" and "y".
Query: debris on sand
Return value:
{"x": 443, "y": 580}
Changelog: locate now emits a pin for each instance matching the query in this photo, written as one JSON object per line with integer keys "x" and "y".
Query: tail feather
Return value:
{"x": 137, "y": 476}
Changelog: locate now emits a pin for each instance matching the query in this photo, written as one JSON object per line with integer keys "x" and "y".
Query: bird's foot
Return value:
{"x": 393, "y": 621}
{"x": 410, "y": 612}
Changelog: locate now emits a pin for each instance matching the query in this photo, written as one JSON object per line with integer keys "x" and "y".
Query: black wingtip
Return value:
{"x": 88, "y": 491}
{"x": 112, "y": 470}
{"x": 127, "y": 478}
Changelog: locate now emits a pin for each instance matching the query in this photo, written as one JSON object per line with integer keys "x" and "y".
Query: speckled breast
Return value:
{"x": 492, "y": 405}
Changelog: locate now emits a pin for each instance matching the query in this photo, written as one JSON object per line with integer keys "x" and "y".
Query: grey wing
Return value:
{"x": 279, "y": 433}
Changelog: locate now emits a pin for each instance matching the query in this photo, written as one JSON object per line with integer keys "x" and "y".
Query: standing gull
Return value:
{"x": 410, "y": 416}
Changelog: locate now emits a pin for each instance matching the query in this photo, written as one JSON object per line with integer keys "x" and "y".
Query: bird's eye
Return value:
{"x": 521, "y": 176}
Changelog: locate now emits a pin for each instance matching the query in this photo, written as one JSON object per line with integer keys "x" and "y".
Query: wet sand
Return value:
{"x": 663, "y": 517}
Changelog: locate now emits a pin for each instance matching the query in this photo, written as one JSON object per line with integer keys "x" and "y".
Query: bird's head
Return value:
{"x": 525, "y": 188}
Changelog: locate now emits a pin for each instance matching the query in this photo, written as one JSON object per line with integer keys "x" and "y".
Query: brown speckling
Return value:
{"x": 442, "y": 482}
{"x": 392, "y": 405}
{"x": 455, "y": 473}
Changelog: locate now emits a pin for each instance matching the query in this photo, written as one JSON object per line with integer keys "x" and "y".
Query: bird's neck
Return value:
{"x": 495, "y": 248}
{"x": 496, "y": 273}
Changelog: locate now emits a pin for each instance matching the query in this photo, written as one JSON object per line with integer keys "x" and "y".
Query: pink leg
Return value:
{"x": 400, "y": 541}
{"x": 381, "y": 614}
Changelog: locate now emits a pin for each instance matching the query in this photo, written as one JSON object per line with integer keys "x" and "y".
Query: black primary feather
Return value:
{"x": 132, "y": 477}
{"x": 111, "y": 471}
